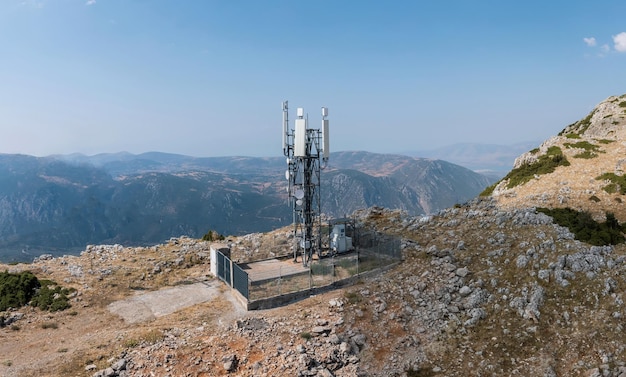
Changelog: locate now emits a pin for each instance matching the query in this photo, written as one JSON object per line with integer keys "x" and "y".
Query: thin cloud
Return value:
{"x": 36, "y": 4}
{"x": 90, "y": 2}
{"x": 619, "y": 42}
{"x": 605, "y": 48}
{"x": 590, "y": 41}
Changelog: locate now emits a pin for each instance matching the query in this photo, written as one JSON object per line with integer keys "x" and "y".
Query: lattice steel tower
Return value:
{"x": 304, "y": 147}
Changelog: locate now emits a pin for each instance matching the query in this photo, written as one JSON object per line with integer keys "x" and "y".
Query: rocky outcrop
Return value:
{"x": 588, "y": 176}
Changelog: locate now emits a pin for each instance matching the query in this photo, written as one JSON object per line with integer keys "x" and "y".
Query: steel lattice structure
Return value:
{"x": 307, "y": 152}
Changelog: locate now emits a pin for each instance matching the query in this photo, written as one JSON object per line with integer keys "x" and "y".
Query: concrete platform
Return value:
{"x": 272, "y": 268}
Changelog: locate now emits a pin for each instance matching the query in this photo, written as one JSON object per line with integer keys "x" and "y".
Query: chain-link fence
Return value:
{"x": 377, "y": 252}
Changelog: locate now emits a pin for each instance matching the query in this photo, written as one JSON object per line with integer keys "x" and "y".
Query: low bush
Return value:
{"x": 617, "y": 183}
{"x": 17, "y": 290}
{"x": 605, "y": 141}
{"x": 572, "y": 136}
{"x": 306, "y": 335}
{"x": 489, "y": 190}
{"x": 586, "y": 155}
{"x": 51, "y": 297}
{"x": 583, "y": 145}
{"x": 585, "y": 228}
{"x": 212, "y": 235}
{"x": 545, "y": 164}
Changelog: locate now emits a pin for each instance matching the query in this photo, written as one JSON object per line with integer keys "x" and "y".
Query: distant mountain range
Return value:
{"x": 489, "y": 159}
{"x": 59, "y": 204}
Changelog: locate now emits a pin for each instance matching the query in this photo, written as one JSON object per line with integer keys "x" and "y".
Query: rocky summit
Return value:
{"x": 492, "y": 287}
{"x": 588, "y": 176}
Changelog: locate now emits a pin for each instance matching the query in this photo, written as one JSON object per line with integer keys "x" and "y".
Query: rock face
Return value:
{"x": 593, "y": 147}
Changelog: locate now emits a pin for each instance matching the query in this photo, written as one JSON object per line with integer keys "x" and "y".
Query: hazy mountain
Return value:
{"x": 59, "y": 204}
{"x": 489, "y": 159}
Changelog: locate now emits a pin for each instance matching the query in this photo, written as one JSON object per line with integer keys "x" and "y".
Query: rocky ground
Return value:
{"x": 482, "y": 291}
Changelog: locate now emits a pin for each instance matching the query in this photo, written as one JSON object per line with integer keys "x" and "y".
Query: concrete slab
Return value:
{"x": 272, "y": 269}
{"x": 150, "y": 305}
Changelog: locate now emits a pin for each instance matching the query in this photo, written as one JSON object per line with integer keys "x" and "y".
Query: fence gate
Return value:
{"x": 239, "y": 276}
{"x": 223, "y": 268}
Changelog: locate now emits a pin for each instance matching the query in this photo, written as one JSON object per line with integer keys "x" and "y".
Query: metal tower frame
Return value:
{"x": 305, "y": 148}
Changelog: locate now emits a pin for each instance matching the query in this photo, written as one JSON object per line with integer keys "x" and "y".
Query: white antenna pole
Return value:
{"x": 285, "y": 127}
{"x": 325, "y": 135}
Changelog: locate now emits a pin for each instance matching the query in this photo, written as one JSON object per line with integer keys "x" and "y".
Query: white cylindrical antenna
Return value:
{"x": 325, "y": 134}
{"x": 285, "y": 127}
{"x": 300, "y": 133}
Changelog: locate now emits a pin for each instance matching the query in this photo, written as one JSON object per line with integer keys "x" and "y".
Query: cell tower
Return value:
{"x": 304, "y": 147}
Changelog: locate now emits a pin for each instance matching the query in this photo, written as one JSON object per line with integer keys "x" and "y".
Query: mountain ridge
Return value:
{"x": 146, "y": 199}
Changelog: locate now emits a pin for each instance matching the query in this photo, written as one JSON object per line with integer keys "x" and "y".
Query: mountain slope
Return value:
{"x": 588, "y": 171}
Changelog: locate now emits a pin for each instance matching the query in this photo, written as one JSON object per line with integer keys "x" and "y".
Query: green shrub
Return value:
{"x": 617, "y": 183}
{"x": 586, "y": 155}
{"x": 594, "y": 198}
{"x": 605, "y": 141}
{"x": 583, "y": 145}
{"x": 489, "y": 190}
{"x": 572, "y": 135}
{"x": 544, "y": 165}
{"x": 212, "y": 235}
{"x": 565, "y": 129}
{"x": 305, "y": 335}
{"x": 353, "y": 297}
{"x": 585, "y": 228}
{"x": 622, "y": 104}
{"x": 16, "y": 290}
{"x": 51, "y": 297}
{"x": 585, "y": 123}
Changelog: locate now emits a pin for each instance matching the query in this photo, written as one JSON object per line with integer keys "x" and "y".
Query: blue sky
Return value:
{"x": 207, "y": 78}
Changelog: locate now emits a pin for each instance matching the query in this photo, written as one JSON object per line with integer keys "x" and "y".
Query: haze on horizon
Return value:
{"x": 207, "y": 78}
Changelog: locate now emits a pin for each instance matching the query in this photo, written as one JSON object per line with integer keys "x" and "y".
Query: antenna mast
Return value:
{"x": 304, "y": 147}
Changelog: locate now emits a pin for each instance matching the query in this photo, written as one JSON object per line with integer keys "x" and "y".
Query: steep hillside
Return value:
{"x": 438, "y": 184}
{"x": 582, "y": 167}
{"x": 345, "y": 190}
